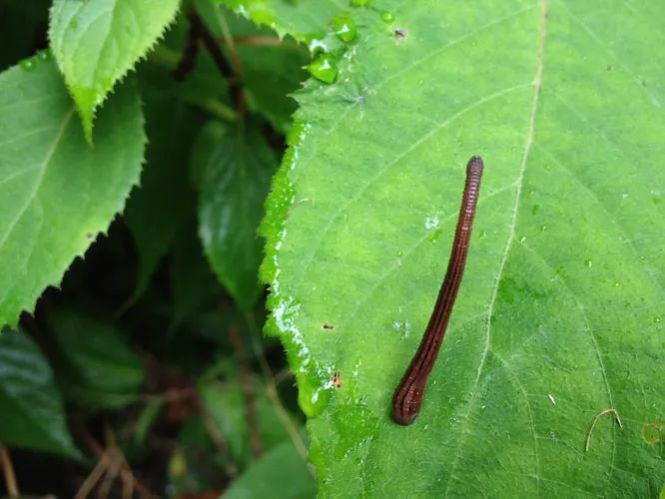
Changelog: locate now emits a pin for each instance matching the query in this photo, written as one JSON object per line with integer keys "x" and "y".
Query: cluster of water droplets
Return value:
{"x": 342, "y": 27}
{"x": 30, "y": 64}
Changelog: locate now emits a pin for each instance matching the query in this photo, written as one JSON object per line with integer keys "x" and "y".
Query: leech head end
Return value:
{"x": 406, "y": 404}
{"x": 475, "y": 164}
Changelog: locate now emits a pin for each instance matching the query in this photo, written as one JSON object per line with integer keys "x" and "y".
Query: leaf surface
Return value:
{"x": 96, "y": 42}
{"x": 558, "y": 323}
{"x": 235, "y": 177}
{"x": 33, "y": 415}
{"x": 56, "y": 192}
{"x": 281, "y": 474}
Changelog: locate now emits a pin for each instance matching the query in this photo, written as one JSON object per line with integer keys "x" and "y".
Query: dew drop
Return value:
{"x": 344, "y": 27}
{"x": 28, "y": 64}
{"x": 523, "y": 239}
{"x": 44, "y": 55}
{"x": 588, "y": 262}
{"x": 323, "y": 68}
{"x": 543, "y": 228}
{"x": 657, "y": 320}
{"x": 483, "y": 235}
{"x": 387, "y": 16}
{"x": 400, "y": 253}
{"x": 617, "y": 284}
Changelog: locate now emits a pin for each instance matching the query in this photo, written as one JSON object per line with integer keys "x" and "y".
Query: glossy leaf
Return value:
{"x": 95, "y": 364}
{"x": 547, "y": 378}
{"x": 56, "y": 192}
{"x": 33, "y": 415}
{"x": 96, "y": 42}
{"x": 235, "y": 179}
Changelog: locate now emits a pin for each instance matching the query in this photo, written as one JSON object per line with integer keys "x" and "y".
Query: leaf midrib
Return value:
{"x": 40, "y": 176}
{"x": 537, "y": 83}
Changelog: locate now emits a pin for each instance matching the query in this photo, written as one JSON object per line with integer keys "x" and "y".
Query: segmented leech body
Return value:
{"x": 409, "y": 394}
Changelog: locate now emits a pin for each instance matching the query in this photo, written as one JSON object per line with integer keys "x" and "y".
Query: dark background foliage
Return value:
{"x": 145, "y": 372}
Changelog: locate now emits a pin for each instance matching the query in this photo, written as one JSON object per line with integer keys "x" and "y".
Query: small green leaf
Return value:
{"x": 96, "y": 42}
{"x": 31, "y": 408}
{"x": 226, "y": 405}
{"x": 95, "y": 365}
{"x": 281, "y": 473}
{"x": 57, "y": 193}
{"x": 235, "y": 182}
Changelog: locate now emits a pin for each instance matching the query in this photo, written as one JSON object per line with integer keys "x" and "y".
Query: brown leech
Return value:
{"x": 409, "y": 394}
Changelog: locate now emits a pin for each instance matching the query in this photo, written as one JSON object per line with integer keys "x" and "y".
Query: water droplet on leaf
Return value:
{"x": 344, "y": 27}
{"x": 28, "y": 64}
{"x": 588, "y": 262}
{"x": 323, "y": 68}
{"x": 387, "y": 16}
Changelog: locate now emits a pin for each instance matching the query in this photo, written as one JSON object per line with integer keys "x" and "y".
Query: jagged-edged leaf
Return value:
{"x": 32, "y": 412}
{"x": 547, "y": 380}
{"x": 56, "y": 192}
{"x": 96, "y": 42}
{"x": 304, "y": 22}
{"x": 235, "y": 176}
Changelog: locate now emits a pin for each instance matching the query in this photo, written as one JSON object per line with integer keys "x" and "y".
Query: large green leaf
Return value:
{"x": 56, "y": 193}
{"x": 234, "y": 182}
{"x": 96, "y": 42}
{"x": 557, "y": 329}
{"x": 32, "y": 412}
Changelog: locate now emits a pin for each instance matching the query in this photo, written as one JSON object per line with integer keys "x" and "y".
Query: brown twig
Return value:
{"x": 270, "y": 41}
{"x": 8, "y": 472}
{"x": 247, "y": 392}
{"x": 94, "y": 476}
{"x": 188, "y": 59}
{"x": 210, "y": 43}
{"x": 108, "y": 457}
